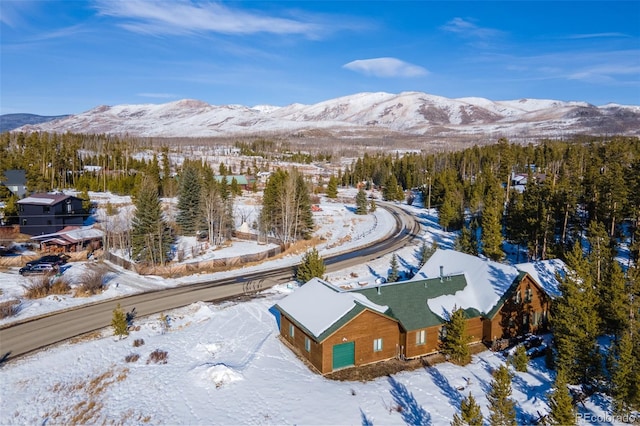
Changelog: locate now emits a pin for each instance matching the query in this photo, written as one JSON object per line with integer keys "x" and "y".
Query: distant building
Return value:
{"x": 241, "y": 180}
{"x": 45, "y": 213}
{"x": 15, "y": 181}
{"x": 71, "y": 238}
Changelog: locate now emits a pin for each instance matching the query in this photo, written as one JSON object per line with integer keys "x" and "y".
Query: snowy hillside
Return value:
{"x": 409, "y": 113}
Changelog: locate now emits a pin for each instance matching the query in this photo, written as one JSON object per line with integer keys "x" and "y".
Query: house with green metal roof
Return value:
{"x": 333, "y": 328}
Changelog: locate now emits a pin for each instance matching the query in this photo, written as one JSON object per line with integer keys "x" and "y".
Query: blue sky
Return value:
{"x": 61, "y": 57}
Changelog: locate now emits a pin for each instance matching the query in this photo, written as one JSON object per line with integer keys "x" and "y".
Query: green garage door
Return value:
{"x": 344, "y": 355}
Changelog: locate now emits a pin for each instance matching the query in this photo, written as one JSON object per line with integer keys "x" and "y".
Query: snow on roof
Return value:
{"x": 544, "y": 273}
{"x": 44, "y": 199}
{"x": 487, "y": 281}
{"x": 72, "y": 234}
{"x": 317, "y": 305}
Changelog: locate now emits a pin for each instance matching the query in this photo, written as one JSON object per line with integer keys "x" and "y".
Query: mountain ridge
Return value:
{"x": 406, "y": 113}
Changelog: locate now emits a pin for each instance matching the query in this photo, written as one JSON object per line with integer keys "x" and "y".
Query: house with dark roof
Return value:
{"x": 15, "y": 181}
{"x": 333, "y": 328}
{"x": 47, "y": 213}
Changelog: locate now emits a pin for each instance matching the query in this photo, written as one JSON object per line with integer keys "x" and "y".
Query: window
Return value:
{"x": 46, "y": 209}
{"x": 517, "y": 298}
{"x": 528, "y": 295}
{"x": 291, "y": 330}
{"x": 536, "y": 318}
{"x": 307, "y": 344}
{"x": 377, "y": 345}
{"x": 420, "y": 337}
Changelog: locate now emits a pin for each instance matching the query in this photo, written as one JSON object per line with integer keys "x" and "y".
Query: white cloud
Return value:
{"x": 468, "y": 29}
{"x": 386, "y": 67}
{"x": 597, "y": 35}
{"x": 190, "y": 17}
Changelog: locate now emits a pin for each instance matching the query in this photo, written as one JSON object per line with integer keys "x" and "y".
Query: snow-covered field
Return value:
{"x": 226, "y": 365}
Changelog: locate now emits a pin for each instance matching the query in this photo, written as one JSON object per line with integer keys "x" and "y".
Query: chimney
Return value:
{"x": 441, "y": 272}
{"x": 378, "y": 289}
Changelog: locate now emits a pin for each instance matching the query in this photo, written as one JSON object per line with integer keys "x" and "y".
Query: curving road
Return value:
{"x": 26, "y": 336}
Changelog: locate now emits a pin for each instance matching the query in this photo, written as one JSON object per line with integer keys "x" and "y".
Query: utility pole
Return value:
{"x": 429, "y": 198}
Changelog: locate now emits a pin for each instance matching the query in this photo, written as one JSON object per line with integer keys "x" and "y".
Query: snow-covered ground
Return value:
{"x": 226, "y": 365}
{"x": 339, "y": 228}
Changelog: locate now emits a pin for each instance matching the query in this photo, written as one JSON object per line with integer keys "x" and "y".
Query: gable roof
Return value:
{"x": 487, "y": 281}
{"x": 317, "y": 306}
{"x": 544, "y": 273}
{"x": 411, "y": 302}
{"x": 71, "y": 235}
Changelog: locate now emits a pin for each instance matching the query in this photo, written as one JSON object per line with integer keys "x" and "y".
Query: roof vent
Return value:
{"x": 378, "y": 289}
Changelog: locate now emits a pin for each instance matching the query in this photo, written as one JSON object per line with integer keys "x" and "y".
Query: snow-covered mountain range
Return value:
{"x": 370, "y": 114}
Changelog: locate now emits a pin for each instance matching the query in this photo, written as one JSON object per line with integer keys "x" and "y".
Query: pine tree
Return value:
{"x": 520, "y": 360}
{"x": 332, "y": 187}
{"x": 151, "y": 238}
{"x": 426, "y": 251}
{"x": 361, "y": 202}
{"x": 614, "y": 306}
{"x": 465, "y": 242}
{"x": 501, "y": 407}
{"x": 119, "y": 322}
{"x": 575, "y": 320}
{"x": 394, "y": 273}
{"x": 372, "y": 206}
{"x": 625, "y": 374}
{"x": 562, "y": 411}
{"x": 492, "y": 228}
{"x": 189, "y": 195}
{"x": 454, "y": 341}
{"x": 470, "y": 413}
{"x": 312, "y": 265}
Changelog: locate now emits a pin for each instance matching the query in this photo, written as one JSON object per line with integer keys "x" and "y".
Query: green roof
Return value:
{"x": 407, "y": 301}
{"x": 240, "y": 179}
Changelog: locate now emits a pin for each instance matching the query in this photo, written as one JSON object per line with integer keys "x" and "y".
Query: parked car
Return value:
{"x": 39, "y": 268}
{"x": 54, "y": 259}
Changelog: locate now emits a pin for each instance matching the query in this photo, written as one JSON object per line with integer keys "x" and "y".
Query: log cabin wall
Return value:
{"x": 363, "y": 330}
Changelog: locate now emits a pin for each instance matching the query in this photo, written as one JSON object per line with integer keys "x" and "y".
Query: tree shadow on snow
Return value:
{"x": 374, "y": 273}
{"x": 365, "y": 421}
{"x": 445, "y": 387}
{"x": 412, "y": 413}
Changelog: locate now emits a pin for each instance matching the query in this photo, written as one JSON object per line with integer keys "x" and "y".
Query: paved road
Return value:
{"x": 35, "y": 333}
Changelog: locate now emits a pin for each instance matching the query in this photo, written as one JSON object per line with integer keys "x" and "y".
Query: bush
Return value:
{"x": 37, "y": 287}
{"x": 158, "y": 357}
{"x": 132, "y": 358}
{"x": 92, "y": 282}
{"x": 9, "y": 308}
{"x": 138, "y": 343}
{"x": 60, "y": 286}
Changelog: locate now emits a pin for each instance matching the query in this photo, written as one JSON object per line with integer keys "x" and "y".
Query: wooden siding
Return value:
{"x": 516, "y": 316}
{"x": 363, "y": 330}
{"x": 314, "y": 356}
{"x": 431, "y": 345}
